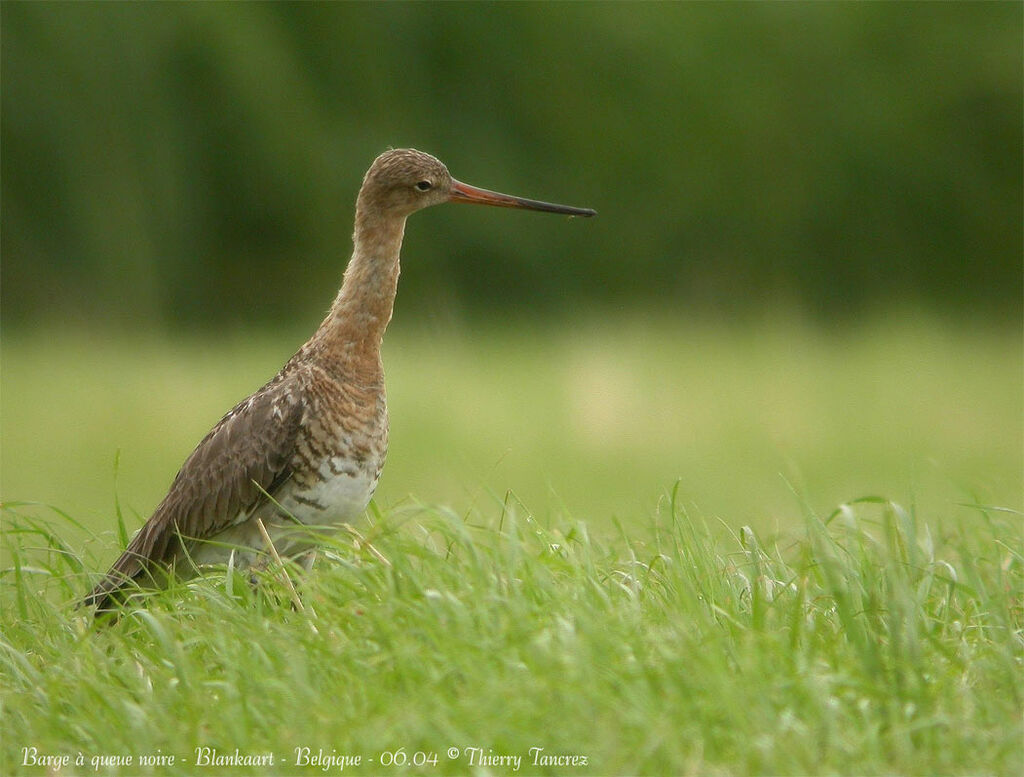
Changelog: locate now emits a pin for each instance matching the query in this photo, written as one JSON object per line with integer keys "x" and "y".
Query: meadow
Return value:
{"x": 624, "y": 547}
{"x": 596, "y": 418}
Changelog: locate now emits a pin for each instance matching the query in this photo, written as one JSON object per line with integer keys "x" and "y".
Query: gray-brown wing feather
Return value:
{"x": 247, "y": 453}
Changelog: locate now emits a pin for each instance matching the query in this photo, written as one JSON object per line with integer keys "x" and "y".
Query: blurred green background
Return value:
{"x": 807, "y": 259}
{"x": 197, "y": 164}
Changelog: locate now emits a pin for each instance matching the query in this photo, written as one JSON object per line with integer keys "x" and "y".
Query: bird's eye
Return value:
{"x": 424, "y": 186}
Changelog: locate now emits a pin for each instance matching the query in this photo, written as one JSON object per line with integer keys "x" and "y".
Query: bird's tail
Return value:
{"x": 133, "y": 567}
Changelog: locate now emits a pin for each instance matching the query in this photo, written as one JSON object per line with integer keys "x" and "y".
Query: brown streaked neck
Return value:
{"x": 363, "y": 307}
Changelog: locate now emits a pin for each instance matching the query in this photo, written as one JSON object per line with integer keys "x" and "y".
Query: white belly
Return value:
{"x": 325, "y": 506}
{"x": 335, "y": 499}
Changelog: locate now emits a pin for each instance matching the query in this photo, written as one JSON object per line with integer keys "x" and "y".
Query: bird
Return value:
{"x": 304, "y": 453}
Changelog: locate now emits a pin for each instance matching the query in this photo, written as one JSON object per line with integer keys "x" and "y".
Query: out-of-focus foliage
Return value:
{"x": 199, "y": 162}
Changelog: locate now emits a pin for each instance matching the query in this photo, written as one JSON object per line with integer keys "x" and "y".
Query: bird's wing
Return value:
{"x": 247, "y": 453}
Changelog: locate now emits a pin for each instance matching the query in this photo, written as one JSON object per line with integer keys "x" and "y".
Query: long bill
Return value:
{"x": 462, "y": 192}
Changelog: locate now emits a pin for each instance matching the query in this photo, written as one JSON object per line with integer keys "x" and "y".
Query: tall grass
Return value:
{"x": 867, "y": 641}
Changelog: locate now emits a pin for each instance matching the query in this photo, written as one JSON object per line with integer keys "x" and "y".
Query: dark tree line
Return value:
{"x": 199, "y": 162}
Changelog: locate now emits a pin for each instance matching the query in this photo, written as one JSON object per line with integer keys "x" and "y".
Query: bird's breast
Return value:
{"x": 339, "y": 455}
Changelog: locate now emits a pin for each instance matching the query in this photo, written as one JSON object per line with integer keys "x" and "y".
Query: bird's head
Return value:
{"x": 402, "y": 181}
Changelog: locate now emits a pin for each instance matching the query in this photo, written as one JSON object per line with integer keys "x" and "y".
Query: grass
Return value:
{"x": 867, "y": 642}
{"x": 721, "y": 629}
{"x": 587, "y": 419}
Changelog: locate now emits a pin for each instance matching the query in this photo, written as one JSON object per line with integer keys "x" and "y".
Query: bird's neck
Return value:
{"x": 362, "y": 310}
